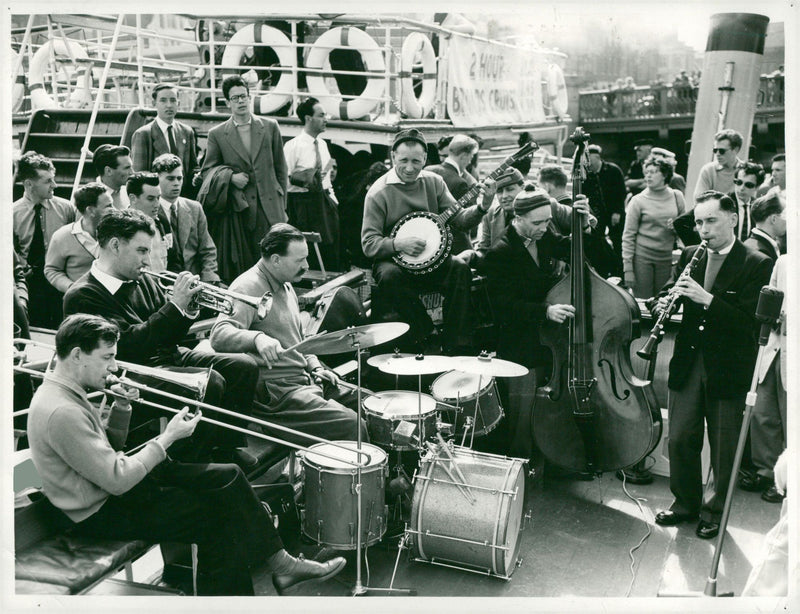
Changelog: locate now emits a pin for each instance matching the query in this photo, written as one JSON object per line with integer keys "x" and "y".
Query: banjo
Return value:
{"x": 433, "y": 228}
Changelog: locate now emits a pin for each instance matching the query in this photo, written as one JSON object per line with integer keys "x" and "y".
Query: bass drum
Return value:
{"x": 331, "y": 513}
{"x": 481, "y": 535}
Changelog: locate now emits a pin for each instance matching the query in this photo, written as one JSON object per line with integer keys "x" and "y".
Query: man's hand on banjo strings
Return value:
{"x": 412, "y": 246}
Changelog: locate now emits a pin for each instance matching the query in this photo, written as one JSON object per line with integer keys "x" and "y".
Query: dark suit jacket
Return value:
{"x": 265, "y": 164}
{"x": 726, "y": 333}
{"x": 518, "y": 288}
{"x": 149, "y": 142}
{"x": 194, "y": 240}
{"x": 762, "y": 245}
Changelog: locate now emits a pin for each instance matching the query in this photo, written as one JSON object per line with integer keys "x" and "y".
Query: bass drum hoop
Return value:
{"x": 435, "y": 261}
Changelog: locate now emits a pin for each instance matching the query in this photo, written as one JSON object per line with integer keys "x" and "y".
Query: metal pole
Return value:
{"x": 359, "y": 587}
{"x": 296, "y": 75}
{"x": 212, "y": 65}
{"x": 139, "y": 54}
{"x": 97, "y": 101}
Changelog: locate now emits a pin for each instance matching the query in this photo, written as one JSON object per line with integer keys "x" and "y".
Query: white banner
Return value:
{"x": 493, "y": 85}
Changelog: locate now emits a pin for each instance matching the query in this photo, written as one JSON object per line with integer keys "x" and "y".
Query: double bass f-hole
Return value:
{"x": 612, "y": 377}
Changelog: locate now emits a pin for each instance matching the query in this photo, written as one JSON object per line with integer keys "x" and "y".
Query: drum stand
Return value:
{"x": 474, "y": 416}
{"x": 359, "y": 589}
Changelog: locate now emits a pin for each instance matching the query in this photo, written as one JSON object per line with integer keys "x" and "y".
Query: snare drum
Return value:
{"x": 331, "y": 513}
{"x": 386, "y": 410}
{"x": 449, "y": 530}
{"x": 461, "y": 389}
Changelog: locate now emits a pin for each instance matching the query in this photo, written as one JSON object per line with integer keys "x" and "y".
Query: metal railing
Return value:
{"x": 663, "y": 101}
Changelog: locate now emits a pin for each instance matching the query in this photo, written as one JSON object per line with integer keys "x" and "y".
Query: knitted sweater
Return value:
{"x": 647, "y": 234}
{"x": 389, "y": 199}
{"x": 76, "y": 455}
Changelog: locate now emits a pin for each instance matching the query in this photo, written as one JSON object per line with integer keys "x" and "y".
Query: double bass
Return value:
{"x": 593, "y": 414}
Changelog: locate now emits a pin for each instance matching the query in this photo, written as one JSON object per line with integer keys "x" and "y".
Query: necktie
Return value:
{"x": 173, "y": 148}
{"x": 713, "y": 266}
{"x": 745, "y": 228}
{"x": 36, "y": 251}
{"x": 317, "y": 163}
{"x": 174, "y": 255}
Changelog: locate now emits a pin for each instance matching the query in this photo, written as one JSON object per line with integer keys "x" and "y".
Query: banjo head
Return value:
{"x": 423, "y": 226}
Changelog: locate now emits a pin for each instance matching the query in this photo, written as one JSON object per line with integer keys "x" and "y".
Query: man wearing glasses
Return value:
{"x": 253, "y": 148}
{"x": 719, "y": 174}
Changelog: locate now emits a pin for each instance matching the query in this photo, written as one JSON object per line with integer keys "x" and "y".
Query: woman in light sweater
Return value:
{"x": 648, "y": 238}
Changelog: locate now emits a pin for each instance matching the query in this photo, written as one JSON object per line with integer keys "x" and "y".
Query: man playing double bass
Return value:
{"x": 521, "y": 270}
{"x": 713, "y": 361}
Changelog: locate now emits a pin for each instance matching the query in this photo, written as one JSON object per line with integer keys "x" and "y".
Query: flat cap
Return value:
{"x": 642, "y": 142}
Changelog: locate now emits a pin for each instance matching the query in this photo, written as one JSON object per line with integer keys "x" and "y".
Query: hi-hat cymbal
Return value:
{"x": 381, "y": 359}
{"x": 487, "y": 366}
{"x": 417, "y": 365}
{"x": 347, "y": 339}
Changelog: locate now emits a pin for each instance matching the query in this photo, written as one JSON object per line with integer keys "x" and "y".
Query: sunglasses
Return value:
{"x": 748, "y": 184}
{"x": 721, "y": 150}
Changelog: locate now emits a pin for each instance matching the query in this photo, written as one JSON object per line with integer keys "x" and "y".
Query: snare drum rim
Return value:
{"x": 460, "y": 399}
{"x": 391, "y": 417}
{"x": 371, "y": 468}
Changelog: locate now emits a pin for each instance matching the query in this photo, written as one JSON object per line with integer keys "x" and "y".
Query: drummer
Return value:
{"x": 290, "y": 383}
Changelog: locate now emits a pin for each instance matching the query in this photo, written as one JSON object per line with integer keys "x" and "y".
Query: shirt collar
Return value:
{"x": 768, "y": 237}
{"x": 392, "y": 178}
{"x": 77, "y": 228}
{"x": 725, "y": 250}
{"x": 247, "y": 123}
{"x": 164, "y": 125}
{"x": 108, "y": 187}
{"x": 67, "y": 383}
{"x": 274, "y": 284}
{"x": 109, "y": 282}
{"x": 166, "y": 206}
{"x": 452, "y": 163}
{"x": 46, "y": 204}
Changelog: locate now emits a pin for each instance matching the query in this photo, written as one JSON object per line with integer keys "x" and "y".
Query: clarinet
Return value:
{"x": 657, "y": 332}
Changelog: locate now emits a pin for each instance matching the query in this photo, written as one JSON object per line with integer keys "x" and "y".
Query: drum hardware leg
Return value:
{"x": 527, "y": 519}
{"x": 463, "y": 488}
{"x": 477, "y": 411}
{"x": 467, "y": 426}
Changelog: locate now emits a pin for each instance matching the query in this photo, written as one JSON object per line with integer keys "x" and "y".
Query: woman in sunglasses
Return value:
{"x": 648, "y": 237}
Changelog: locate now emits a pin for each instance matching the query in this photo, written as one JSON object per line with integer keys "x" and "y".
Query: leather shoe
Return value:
{"x": 706, "y": 529}
{"x": 755, "y": 482}
{"x": 668, "y": 518}
{"x": 771, "y": 495}
{"x": 306, "y": 571}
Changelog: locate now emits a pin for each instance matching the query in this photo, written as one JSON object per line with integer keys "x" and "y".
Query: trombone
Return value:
{"x": 217, "y": 299}
{"x": 168, "y": 376}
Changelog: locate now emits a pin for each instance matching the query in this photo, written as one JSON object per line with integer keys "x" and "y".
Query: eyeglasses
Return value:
{"x": 748, "y": 184}
{"x": 239, "y": 98}
{"x": 721, "y": 150}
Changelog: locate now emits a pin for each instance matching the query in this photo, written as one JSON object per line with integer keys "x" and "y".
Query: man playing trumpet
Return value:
{"x": 290, "y": 381}
{"x": 108, "y": 494}
{"x": 152, "y": 323}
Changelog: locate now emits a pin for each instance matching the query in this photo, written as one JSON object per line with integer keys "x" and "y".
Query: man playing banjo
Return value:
{"x": 404, "y": 189}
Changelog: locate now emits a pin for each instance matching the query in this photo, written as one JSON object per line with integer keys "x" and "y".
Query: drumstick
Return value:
{"x": 467, "y": 495}
{"x": 291, "y": 347}
{"x": 443, "y": 444}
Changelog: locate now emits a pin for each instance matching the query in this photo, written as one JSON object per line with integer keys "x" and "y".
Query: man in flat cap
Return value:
{"x": 406, "y": 188}
{"x": 634, "y": 180}
{"x": 521, "y": 270}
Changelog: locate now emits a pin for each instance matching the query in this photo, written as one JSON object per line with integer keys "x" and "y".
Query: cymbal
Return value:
{"x": 487, "y": 366}
{"x": 345, "y": 340}
{"x": 381, "y": 359}
{"x": 417, "y": 365}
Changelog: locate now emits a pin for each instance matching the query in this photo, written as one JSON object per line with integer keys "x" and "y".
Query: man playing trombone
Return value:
{"x": 109, "y": 494}
{"x": 152, "y": 323}
{"x": 289, "y": 382}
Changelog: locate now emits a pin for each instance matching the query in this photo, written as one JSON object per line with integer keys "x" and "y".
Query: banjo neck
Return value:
{"x": 446, "y": 216}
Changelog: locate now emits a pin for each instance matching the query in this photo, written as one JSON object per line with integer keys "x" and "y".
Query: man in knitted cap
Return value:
{"x": 406, "y": 188}
{"x": 521, "y": 271}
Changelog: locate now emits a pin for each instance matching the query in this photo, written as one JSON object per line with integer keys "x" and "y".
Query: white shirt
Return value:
{"x": 88, "y": 242}
{"x": 109, "y": 282}
{"x": 124, "y": 201}
{"x": 300, "y": 155}
{"x": 163, "y": 126}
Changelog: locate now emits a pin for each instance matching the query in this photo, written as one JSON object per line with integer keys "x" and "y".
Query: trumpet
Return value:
{"x": 217, "y": 299}
{"x": 657, "y": 332}
{"x": 177, "y": 378}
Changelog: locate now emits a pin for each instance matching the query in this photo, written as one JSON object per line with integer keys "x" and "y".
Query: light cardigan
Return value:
{"x": 76, "y": 455}
{"x": 67, "y": 259}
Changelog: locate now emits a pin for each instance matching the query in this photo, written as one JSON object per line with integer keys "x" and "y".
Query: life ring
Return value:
{"x": 557, "y": 90}
{"x": 283, "y": 48}
{"x": 346, "y": 37}
{"x": 18, "y": 92}
{"x": 81, "y": 95}
{"x": 412, "y": 106}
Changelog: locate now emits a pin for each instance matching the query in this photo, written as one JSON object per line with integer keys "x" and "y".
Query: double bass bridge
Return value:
{"x": 580, "y": 391}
